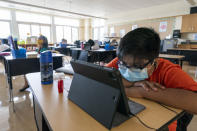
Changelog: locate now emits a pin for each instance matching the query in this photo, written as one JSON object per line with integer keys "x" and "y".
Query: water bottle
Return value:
{"x": 46, "y": 67}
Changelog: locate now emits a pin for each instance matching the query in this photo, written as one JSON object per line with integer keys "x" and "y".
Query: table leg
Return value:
{"x": 181, "y": 63}
{"x": 9, "y": 78}
{"x": 35, "y": 114}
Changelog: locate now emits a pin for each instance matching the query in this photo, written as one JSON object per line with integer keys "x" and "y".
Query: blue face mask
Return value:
{"x": 134, "y": 75}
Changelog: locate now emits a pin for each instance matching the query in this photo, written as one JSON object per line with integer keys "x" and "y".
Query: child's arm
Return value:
{"x": 178, "y": 98}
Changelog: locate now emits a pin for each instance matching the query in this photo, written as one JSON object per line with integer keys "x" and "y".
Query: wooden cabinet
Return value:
{"x": 189, "y": 23}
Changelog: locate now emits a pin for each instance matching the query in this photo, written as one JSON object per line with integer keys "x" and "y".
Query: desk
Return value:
{"x": 51, "y": 47}
{"x": 102, "y": 46}
{"x": 102, "y": 55}
{"x": 53, "y": 111}
{"x": 98, "y": 55}
{"x": 21, "y": 66}
{"x": 3, "y": 54}
{"x": 190, "y": 54}
{"x": 177, "y": 59}
{"x": 78, "y": 49}
{"x": 66, "y": 51}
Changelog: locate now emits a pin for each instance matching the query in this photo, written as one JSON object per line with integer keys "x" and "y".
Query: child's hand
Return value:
{"x": 147, "y": 85}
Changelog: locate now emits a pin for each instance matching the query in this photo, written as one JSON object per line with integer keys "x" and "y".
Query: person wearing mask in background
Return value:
{"x": 63, "y": 44}
{"x": 144, "y": 75}
{"x": 42, "y": 46}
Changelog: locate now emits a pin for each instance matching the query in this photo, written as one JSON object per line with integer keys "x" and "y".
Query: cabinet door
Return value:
{"x": 194, "y": 22}
{"x": 186, "y": 23}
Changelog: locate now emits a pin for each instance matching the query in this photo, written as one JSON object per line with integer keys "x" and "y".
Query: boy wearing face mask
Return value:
{"x": 147, "y": 76}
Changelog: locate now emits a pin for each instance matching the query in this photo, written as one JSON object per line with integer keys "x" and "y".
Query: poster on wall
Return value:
{"x": 195, "y": 36}
{"x": 134, "y": 27}
{"x": 163, "y": 26}
{"x": 122, "y": 32}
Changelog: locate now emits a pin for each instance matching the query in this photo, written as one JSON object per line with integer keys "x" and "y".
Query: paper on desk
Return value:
{"x": 58, "y": 76}
{"x": 3, "y": 47}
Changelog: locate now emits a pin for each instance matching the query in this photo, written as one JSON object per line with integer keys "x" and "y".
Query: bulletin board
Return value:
{"x": 153, "y": 23}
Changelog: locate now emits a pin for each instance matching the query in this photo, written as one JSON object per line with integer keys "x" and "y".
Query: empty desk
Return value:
{"x": 177, "y": 59}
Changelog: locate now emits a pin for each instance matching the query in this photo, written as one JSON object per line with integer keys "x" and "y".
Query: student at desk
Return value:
{"x": 109, "y": 46}
{"x": 42, "y": 46}
{"x": 147, "y": 76}
{"x": 95, "y": 46}
{"x": 63, "y": 44}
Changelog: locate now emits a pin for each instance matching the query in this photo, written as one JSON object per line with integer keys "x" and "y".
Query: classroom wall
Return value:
{"x": 166, "y": 10}
{"x": 151, "y": 17}
{"x": 153, "y": 23}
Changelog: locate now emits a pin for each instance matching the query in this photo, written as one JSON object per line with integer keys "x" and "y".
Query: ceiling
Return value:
{"x": 98, "y": 8}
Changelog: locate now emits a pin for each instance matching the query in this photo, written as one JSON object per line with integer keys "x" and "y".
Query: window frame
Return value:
{"x": 64, "y": 32}
{"x": 99, "y": 32}
{"x": 21, "y": 21}
{"x": 33, "y": 23}
{"x": 9, "y": 21}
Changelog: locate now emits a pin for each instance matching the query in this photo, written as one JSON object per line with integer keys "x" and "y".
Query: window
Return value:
{"x": 59, "y": 33}
{"x": 35, "y": 30}
{"x": 32, "y": 17}
{"x": 98, "y": 33}
{"x": 98, "y": 29}
{"x": 45, "y": 30}
{"x": 98, "y": 22}
{"x": 95, "y": 33}
{"x": 111, "y": 30}
{"x": 101, "y": 33}
{"x": 5, "y": 14}
{"x": 75, "y": 34}
{"x": 66, "y": 21}
{"x": 5, "y": 18}
{"x": 26, "y": 30}
{"x": 69, "y": 33}
{"x": 66, "y": 28}
{"x": 4, "y": 29}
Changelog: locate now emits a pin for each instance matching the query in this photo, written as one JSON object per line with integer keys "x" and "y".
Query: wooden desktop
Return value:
{"x": 53, "y": 111}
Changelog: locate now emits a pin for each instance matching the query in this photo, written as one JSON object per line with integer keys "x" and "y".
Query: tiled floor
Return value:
{"x": 23, "y": 118}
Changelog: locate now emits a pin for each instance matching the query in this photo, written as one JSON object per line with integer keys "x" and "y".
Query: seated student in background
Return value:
{"x": 91, "y": 42}
{"x": 147, "y": 76}
{"x": 96, "y": 45}
{"x": 63, "y": 44}
{"x": 42, "y": 46}
{"x": 113, "y": 42}
{"x": 109, "y": 45}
